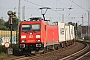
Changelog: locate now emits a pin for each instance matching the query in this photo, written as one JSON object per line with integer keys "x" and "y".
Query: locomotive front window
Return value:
{"x": 35, "y": 26}
{"x": 30, "y": 27}
{"x": 26, "y": 27}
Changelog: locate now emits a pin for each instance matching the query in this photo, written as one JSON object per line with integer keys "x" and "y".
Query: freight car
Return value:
{"x": 35, "y": 35}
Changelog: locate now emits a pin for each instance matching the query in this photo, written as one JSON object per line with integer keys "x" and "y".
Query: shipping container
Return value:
{"x": 71, "y": 32}
{"x": 61, "y": 31}
{"x": 67, "y": 32}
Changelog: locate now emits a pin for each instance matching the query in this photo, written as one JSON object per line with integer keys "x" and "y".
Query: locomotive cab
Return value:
{"x": 30, "y": 35}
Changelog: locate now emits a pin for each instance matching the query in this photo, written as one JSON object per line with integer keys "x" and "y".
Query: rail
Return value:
{"x": 77, "y": 54}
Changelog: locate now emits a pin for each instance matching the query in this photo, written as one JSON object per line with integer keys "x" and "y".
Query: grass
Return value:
{"x": 3, "y": 55}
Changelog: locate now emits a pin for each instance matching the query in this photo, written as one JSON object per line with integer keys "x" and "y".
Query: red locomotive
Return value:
{"x": 36, "y": 35}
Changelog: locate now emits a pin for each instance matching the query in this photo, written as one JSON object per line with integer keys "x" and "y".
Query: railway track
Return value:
{"x": 35, "y": 57}
{"x": 85, "y": 56}
{"x": 78, "y": 55}
{"x": 60, "y": 54}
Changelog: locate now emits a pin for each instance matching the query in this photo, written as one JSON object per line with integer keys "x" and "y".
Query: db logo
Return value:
{"x": 30, "y": 36}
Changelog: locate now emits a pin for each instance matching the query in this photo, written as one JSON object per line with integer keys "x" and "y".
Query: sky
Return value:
{"x": 58, "y": 9}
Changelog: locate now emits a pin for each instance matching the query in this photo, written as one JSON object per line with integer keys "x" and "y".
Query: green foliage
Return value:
{"x": 87, "y": 37}
{"x": 0, "y": 48}
{"x": 2, "y": 22}
{"x": 6, "y": 25}
{"x": 78, "y": 28}
{"x": 2, "y": 55}
{"x": 79, "y": 31}
{"x": 15, "y": 24}
{"x": 71, "y": 23}
{"x": 2, "y": 25}
{"x": 80, "y": 37}
{"x": 2, "y": 51}
{"x": 16, "y": 50}
{"x": 3, "y": 28}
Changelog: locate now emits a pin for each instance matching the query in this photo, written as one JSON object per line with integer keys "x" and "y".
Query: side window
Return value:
{"x": 45, "y": 27}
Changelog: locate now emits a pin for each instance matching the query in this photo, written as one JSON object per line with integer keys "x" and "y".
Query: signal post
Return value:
{"x": 11, "y": 17}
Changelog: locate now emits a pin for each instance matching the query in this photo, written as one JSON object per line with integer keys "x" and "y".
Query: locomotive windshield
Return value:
{"x": 30, "y": 27}
{"x": 26, "y": 27}
{"x": 36, "y": 27}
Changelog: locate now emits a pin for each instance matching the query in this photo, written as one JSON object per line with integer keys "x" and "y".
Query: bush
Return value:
{"x": 87, "y": 37}
{"x": 16, "y": 51}
{"x": 2, "y": 49}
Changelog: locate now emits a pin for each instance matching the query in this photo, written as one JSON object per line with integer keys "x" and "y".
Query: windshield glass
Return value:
{"x": 30, "y": 27}
{"x": 36, "y": 27}
{"x": 26, "y": 27}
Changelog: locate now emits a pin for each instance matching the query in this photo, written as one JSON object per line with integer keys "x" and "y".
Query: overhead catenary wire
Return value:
{"x": 41, "y": 6}
{"x": 78, "y": 5}
{"x": 33, "y": 3}
{"x": 52, "y": 8}
{"x": 59, "y": 3}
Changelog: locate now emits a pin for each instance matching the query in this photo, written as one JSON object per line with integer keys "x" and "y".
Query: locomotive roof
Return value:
{"x": 36, "y": 18}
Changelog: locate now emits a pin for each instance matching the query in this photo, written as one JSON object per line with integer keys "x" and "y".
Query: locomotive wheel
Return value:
{"x": 27, "y": 55}
{"x": 62, "y": 45}
{"x": 45, "y": 49}
{"x": 56, "y": 47}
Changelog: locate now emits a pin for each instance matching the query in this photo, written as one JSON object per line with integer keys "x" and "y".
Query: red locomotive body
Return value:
{"x": 35, "y": 35}
{"x": 52, "y": 34}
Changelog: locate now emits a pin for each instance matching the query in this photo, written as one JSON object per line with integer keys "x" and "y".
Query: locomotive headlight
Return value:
{"x": 38, "y": 41}
{"x": 23, "y": 36}
{"x": 23, "y": 41}
{"x": 37, "y": 36}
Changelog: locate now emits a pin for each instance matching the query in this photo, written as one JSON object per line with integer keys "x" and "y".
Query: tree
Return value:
{"x": 71, "y": 23}
{"x": 6, "y": 24}
{"x": 78, "y": 28}
{"x": 2, "y": 26}
{"x": 2, "y": 22}
{"x": 13, "y": 20}
{"x": 79, "y": 31}
{"x": 15, "y": 24}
